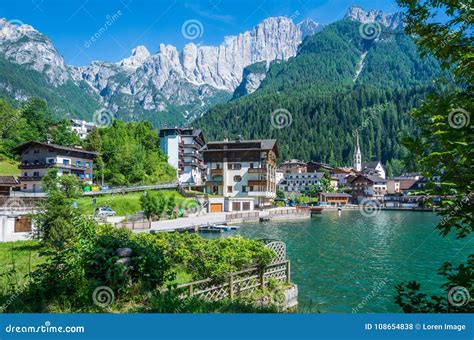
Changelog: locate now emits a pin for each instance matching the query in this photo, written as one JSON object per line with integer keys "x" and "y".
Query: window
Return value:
{"x": 244, "y": 188}
{"x": 66, "y": 161}
{"x": 251, "y": 188}
{"x": 251, "y": 165}
{"x": 36, "y": 151}
{"x": 36, "y": 174}
{"x": 229, "y": 189}
{"x": 237, "y": 178}
{"x": 245, "y": 205}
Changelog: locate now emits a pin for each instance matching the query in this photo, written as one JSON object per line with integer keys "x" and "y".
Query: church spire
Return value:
{"x": 357, "y": 161}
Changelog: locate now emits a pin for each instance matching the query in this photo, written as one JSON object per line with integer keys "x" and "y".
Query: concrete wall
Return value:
{"x": 7, "y": 227}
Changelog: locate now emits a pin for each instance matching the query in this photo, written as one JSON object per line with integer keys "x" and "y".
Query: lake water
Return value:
{"x": 342, "y": 259}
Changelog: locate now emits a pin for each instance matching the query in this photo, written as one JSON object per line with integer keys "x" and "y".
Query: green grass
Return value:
{"x": 8, "y": 167}
{"x": 18, "y": 258}
{"x": 122, "y": 204}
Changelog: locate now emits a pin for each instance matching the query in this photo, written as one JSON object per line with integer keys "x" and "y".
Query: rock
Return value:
{"x": 392, "y": 20}
{"x": 124, "y": 252}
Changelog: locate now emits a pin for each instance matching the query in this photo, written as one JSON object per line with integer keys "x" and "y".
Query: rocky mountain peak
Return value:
{"x": 308, "y": 27}
{"x": 136, "y": 59}
{"x": 390, "y": 20}
{"x": 24, "y": 45}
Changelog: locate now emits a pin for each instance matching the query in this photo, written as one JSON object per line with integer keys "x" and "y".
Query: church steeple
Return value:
{"x": 357, "y": 161}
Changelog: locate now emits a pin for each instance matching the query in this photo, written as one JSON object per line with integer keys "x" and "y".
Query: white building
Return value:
{"x": 183, "y": 148}
{"x": 241, "y": 172}
{"x": 81, "y": 127}
{"x": 300, "y": 182}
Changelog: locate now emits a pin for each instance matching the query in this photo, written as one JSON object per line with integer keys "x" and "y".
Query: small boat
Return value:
{"x": 216, "y": 228}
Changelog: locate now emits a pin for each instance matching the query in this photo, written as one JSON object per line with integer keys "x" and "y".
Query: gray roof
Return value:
{"x": 376, "y": 178}
{"x": 370, "y": 165}
{"x": 21, "y": 148}
{"x": 266, "y": 144}
{"x": 8, "y": 181}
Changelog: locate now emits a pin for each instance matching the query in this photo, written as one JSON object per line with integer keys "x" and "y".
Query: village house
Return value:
{"x": 37, "y": 158}
{"x": 294, "y": 166}
{"x": 7, "y": 183}
{"x": 313, "y": 166}
{"x": 368, "y": 187}
{"x": 374, "y": 168}
{"x": 334, "y": 198}
{"x": 183, "y": 148}
{"x": 342, "y": 174}
{"x": 242, "y": 172}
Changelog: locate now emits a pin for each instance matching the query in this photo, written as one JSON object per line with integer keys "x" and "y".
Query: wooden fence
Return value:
{"x": 243, "y": 281}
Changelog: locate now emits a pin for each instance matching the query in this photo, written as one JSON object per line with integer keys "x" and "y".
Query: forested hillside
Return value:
{"x": 338, "y": 83}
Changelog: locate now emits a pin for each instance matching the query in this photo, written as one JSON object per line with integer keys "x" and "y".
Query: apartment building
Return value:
{"x": 183, "y": 148}
{"x": 243, "y": 172}
{"x": 295, "y": 183}
{"x": 37, "y": 158}
{"x": 81, "y": 127}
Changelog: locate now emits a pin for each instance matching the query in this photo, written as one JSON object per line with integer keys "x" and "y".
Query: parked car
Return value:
{"x": 104, "y": 212}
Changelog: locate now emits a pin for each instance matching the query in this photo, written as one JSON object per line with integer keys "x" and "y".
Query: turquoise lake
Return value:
{"x": 345, "y": 262}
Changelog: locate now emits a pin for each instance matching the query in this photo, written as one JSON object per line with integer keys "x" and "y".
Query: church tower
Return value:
{"x": 357, "y": 161}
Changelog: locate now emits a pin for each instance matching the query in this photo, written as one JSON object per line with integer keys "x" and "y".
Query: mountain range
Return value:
{"x": 279, "y": 79}
{"x": 169, "y": 86}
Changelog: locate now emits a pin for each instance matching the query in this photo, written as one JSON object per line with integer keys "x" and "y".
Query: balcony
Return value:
{"x": 217, "y": 172}
{"x": 194, "y": 155}
{"x": 40, "y": 165}
{"x": 29, "y": 178}
{"x": 191, "y": 146}
{"x": 214, "y": 182}
{"x": 258, "y": 182}
{"x": 258, "y": 170}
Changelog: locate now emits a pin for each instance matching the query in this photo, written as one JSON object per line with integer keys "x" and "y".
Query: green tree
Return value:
{"x": 63, "y": 135}
{"x": 444, "y": 149}
{"x": 153, "y": 204}
{"x": 55, "y": 221}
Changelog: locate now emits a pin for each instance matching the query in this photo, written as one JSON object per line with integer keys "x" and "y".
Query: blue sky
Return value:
{"x": 71, "y": 24}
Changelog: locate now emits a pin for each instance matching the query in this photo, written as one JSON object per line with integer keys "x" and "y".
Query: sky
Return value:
{"x": 87, "y": 30}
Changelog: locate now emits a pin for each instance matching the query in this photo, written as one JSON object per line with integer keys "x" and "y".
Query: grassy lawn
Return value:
{"x": 18, "y": 258}
{"x": 122, "y": 204}
{"x": 8, "y": 167}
